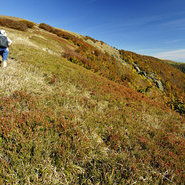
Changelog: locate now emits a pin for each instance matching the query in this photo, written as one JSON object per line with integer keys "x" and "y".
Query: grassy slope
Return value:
{"x": 63, "y": 124}
{"x": 171, "y": 78}
{"x": 178, "y": 65}
{"x": 119, "y": 66}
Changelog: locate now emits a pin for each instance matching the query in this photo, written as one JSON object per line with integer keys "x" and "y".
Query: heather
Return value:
{"x": 71, "y": 113}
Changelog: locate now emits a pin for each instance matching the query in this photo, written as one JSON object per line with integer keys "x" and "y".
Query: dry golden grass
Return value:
{"x": 12, "y": 18}
{"x": 21, "y": 39}
{"x": 105, "y": 48}
{"x": 21, "y": 77}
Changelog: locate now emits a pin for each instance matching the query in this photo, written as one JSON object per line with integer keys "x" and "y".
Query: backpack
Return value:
{"x": 3, "y": 41}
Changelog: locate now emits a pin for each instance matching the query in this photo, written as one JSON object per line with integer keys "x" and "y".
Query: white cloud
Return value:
{"x": 177, "y": 55}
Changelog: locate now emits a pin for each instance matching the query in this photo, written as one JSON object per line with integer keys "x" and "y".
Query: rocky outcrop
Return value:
{"x": 152, "y": 76}
{"x": 159, "y": 84}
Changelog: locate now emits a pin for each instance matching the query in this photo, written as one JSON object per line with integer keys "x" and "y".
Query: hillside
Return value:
{"x": 74, "y": 110}
{"x": 180, "y": 66}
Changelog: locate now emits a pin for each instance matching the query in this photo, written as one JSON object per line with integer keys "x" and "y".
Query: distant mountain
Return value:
{"x": 74, "y": 110}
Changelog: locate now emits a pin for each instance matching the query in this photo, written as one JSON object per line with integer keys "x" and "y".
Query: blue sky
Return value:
{"x": 150, "y": 27}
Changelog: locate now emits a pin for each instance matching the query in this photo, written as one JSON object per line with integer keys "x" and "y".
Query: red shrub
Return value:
{"x": 46, "y": 27}
{"x": 27, "y": 23}
{"x": 22, "y": 25}
{"x": 12, "y": 24}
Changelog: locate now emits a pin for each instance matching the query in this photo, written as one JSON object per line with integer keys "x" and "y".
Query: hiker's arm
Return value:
{"x": 9, "y": 42}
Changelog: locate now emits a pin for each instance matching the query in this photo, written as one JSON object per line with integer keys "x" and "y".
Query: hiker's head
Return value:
{"x": 3, "y": 32}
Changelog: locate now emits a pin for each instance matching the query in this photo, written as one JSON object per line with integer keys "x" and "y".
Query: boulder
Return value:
{"x": 159, "y": 84}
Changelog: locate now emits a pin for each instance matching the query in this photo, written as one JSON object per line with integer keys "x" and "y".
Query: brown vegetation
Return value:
{"x": 63, "y": 124}
{"x": 29, "y": 24}
{"x": 21, "y": 25}
{"x": 171, "y": 78}
{"x": 108, "y": 66}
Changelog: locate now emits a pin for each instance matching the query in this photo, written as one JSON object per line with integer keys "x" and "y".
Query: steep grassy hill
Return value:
{"x": 168, "y": 79}
{"x": 74, "y": 110}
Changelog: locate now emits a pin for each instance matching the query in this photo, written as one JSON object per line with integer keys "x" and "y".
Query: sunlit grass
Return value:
{"x": 64, "y": 124}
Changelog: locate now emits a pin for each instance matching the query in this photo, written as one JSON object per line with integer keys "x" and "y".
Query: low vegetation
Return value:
{"x": 93, "y": 40}
{"x": 21, "y": 25}
{"x": 172, "y": 79}
{"x": 81, "y": 120}
{"x": 180, "y": 67}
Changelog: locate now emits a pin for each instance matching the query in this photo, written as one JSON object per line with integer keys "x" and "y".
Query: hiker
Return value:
{"x": 5, "y": 42}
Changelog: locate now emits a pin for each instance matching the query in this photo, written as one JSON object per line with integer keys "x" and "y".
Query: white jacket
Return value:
{"x": 9, "y": 41}
{"x": 2, "y": 32}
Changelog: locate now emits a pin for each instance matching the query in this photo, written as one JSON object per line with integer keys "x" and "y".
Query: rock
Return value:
{"x": 151, "y": 76}
{"x": 159, "y": 84}
{"x": 137, "y": 68}
{"x": 142, "y": 73}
